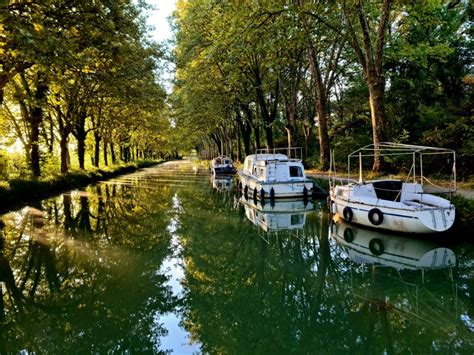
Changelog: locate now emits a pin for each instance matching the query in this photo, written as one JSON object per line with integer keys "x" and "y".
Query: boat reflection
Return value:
{"x": 277, "y": 216}
{"x": 365, "y": 246}
{"x": 221, "y": 182}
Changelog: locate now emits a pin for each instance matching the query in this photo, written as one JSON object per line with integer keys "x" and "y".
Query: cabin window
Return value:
{"x": 261, "y": 172}
{"x": 226, "y": 162}
{"x": 296, "y": 171}
{"x": 297, "y": 219}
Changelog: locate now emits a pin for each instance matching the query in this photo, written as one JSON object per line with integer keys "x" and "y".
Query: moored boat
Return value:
{"x": 222, "y": 165}
{"x": 273, "y": 175}
{"x": 394, "y": 204}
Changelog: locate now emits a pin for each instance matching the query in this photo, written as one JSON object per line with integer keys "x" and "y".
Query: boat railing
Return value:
{"x": 293, "y": 153}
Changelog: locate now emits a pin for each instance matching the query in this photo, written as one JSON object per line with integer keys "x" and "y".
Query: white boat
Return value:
{"x": 394, "y": 204}
{"x": 273, "y": 175}
{"x": 222, "y": 165}
{"x": 366, "y": 246}
{"x": 279, "y": 216}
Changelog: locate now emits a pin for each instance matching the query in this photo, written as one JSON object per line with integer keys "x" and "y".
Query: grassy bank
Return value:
{"x": 18, "y": 192}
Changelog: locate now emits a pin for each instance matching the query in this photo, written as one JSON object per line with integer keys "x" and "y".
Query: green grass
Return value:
{"x": 17, "y": 192}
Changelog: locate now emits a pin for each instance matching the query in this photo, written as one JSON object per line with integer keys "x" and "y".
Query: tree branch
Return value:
{"x": 385, "y": 15}
{"x": 354, "y": 42}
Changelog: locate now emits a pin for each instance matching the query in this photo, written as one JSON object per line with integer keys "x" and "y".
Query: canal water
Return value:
{"x": 167, "y": 260}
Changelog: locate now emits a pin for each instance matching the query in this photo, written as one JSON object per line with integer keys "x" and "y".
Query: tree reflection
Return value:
{"x": 83, "y": 273}
{"x": 86, "y": 268}
{"x": 283, "y": 293}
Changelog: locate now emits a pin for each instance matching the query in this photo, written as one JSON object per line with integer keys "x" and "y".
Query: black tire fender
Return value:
{"x": 376, "y": 246}
{"x": 348, "y": 214}
{"x": 348, "y": 235}
{"x": 375, "y": 216}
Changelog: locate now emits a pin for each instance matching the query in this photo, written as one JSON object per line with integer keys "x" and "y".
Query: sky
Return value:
{"x": 159, "y": 18}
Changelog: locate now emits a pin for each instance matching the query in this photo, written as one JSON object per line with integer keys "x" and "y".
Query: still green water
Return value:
{"x": 166, "y": 260}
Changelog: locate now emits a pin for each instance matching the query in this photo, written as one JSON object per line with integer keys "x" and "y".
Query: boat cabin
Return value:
{"x": 273, "y": 167}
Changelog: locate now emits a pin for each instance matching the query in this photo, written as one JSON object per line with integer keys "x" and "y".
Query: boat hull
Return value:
{"x": 223, "y": 170}
{"x": 255, "y": 188}
{"x": 400, "y": 218}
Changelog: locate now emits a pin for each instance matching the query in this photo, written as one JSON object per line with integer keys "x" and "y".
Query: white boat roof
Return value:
{"x": 387, "y": 148}
{"x": 261, "y": 157}
{"x": 222, "y": 157}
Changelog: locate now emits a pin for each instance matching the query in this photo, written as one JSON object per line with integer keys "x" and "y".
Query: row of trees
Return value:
{"x": 323, "y": 74}
{"x": 81, "y": 69}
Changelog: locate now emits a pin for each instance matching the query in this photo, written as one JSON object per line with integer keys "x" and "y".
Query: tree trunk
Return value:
{"x": 81, "y": 152}
{"x": 323, "y": 132}
{"x": 321, "y": 108}
{"x": 97, "y": 139}
{"x": 256, "y": 132}
{"x": 34, "y": 142}
{"x": 370, "y": 56}
{"x": 267, "y": 116}
{"x": 3, "y": 82}
{"x": 80, "y": 133}
{"x": 246, "y": 128}
{"x": 63, "y": 144}
{"x": 269, "y": 136}
{"x": 306, "y": 132}
{"x": 106, "y": 160}
{"x": 239, "y": 143}
{"x": 36, "y": 120}
{"x": 112, "y": 153}
{"x": 377, "y": 113}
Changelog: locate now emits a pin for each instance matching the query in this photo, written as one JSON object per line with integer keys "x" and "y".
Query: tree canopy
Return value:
{"x": 323, "y": 75}
{"x": 84, "y": 77}
{"x": 79, "y": 75}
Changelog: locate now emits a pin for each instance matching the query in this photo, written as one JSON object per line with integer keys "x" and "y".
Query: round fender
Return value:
{"x": 348, "y": 214}
{"x": 246, "y": 191}
{"x": 262, "y": 194}
{"x": 272, "y": 194}
{"x": 376, "y": 246}
{"x": 375, "y": 216}
{"x": 255, "y": 194}
{"x": 305, "y": 193}
{"x": 348, "y": 235}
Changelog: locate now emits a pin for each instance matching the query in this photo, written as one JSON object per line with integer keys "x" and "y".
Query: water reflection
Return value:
{"x": 160, "y": 261}
{"x": 222, "y": 182}
{"x": 278, "y": 215}
{"x": 81, "y": 272}
{"x": 366, "y": 246}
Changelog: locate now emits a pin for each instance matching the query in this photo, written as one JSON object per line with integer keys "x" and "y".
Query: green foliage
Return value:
{"x": 79, "y": 68}
{"x": 464, "y": 215}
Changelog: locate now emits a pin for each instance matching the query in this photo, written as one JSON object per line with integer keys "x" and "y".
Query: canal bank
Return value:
{"x": 16, "y": 193}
